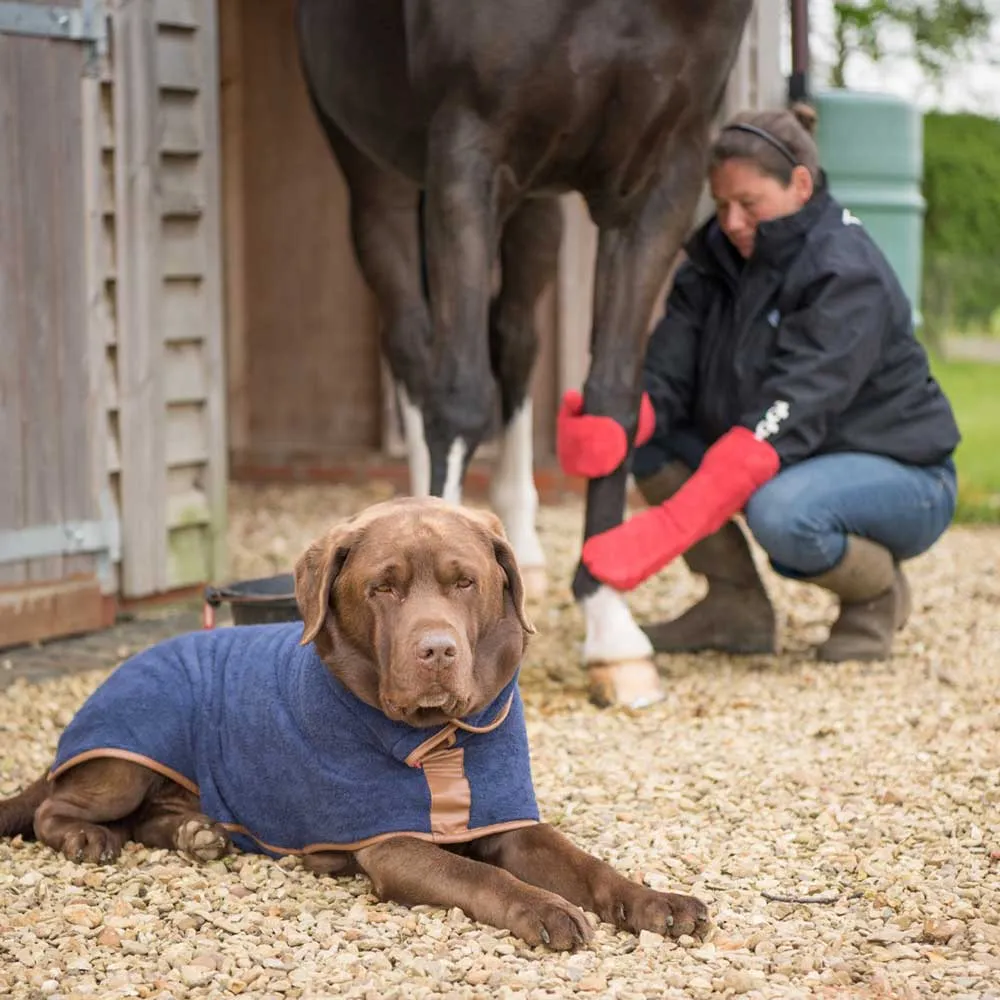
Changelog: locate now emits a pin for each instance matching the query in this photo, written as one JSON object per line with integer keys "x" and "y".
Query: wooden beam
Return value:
{"x": 40, "y": 611}
{"x": 12, "y": 307}
{"x": 140, "y": 341}
{"x": 234, "y": 248}
{"x": 98, "y": 319}
{"x": 217, "y": 474}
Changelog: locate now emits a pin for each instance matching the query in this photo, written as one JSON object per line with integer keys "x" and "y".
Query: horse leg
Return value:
{"x": 463, "y": 198}
{"x": 529, "y": 256}
{"x": 386, "y": 238}
{"x": 633, "y": 261}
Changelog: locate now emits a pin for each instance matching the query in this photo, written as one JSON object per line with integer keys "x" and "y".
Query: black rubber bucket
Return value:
{"x": 262, "y": 601}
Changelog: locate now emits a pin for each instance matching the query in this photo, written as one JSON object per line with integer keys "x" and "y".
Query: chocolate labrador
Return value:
{"x": 382, "y": 734}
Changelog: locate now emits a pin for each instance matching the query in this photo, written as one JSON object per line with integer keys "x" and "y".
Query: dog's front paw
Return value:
{"x": 203, "y": 840}
{"x": 551, "y": 921}
{"x": 666, "y": 913}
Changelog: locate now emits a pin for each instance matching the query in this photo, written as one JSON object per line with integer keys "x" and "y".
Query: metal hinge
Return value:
{"x": 86, "y": 23}
{"x": 100, "y": 538}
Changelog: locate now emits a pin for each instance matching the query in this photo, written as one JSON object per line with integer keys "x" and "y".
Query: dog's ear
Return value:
{"x": 504, "y": 555}
{"x": 315, "y": 571}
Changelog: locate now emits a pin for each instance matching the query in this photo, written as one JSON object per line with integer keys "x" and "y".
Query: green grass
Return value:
{"x": 974, "y": 390}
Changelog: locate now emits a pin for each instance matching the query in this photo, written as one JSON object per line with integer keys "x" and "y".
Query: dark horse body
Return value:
{"x": 490, "y": 110}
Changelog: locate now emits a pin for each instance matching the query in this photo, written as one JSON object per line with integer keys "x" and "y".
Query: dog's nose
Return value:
{"x": 437, "y": 649}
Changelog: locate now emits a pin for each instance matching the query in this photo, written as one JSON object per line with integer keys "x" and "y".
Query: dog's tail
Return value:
{"x": 17, "y": 814}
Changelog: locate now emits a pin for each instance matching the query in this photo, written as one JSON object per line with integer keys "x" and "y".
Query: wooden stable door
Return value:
{"x": 58, "y": 534}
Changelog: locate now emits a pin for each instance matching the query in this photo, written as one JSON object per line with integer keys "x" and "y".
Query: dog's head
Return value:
{"x": 417, "y": 606}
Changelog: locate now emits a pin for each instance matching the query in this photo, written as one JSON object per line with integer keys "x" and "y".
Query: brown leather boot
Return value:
{"x": 735, "y": 616}
{"x": 874, "y": 602}
{"x": 904, "y": 602}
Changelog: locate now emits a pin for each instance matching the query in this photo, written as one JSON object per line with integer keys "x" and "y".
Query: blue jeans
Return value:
{"x": 803, "y": 516}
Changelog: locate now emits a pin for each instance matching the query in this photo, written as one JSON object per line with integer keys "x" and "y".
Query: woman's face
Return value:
{"x": 745, "y": 196}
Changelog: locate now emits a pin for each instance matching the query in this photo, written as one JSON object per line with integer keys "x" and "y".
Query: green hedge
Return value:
{"x": 961, "y": 284}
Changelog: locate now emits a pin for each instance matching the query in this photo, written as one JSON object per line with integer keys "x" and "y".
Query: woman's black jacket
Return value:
{"x": 809, "y": 343}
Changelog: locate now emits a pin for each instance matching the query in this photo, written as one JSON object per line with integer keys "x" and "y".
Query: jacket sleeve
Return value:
{"x": 824, "y": 353}
{"x": 669, "y": 369}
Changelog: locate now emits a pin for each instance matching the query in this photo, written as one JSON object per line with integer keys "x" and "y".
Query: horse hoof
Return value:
{"x": 536, "y": 582}
{"x": 630, "y": 683}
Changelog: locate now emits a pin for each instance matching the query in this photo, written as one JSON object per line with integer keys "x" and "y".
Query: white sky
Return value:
{"x": 972, "y": 85}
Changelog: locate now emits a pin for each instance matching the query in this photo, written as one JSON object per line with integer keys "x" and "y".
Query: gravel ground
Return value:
{"x": 871, "y": 790}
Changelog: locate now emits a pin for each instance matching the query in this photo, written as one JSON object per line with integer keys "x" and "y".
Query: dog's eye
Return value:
{"x": 382, "y": 588}
{"x": 465, "y": 582}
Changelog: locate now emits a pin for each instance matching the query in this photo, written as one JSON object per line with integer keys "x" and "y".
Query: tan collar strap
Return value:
{"x": 489, "y": 727}
{"x": 446, "y": 735}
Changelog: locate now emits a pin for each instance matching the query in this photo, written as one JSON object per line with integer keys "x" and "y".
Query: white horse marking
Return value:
{"x": 418, "y": 454}
{"x": 612, "y": 635}
{"x": 453, "y": 476}
{"x": 513, "y": 495}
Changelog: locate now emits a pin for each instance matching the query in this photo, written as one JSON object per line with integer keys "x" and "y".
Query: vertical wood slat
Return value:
{"x": 141, "y": 405}
{"x": 98, "y": 321}
{"x": 41, "y": 405}
{"x": 231, "y": 83}
{"x": 69, "y": 237}
{"x": 217, "y": 473}
{"x": 11, "y": 313}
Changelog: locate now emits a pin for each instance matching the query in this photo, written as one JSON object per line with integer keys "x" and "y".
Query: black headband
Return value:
{"x": 767, "y": 137}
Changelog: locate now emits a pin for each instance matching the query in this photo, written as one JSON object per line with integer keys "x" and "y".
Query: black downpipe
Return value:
{"x": 798, "y": 82}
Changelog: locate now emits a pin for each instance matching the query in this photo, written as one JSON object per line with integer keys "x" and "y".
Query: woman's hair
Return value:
{"x": 774, "y": 141}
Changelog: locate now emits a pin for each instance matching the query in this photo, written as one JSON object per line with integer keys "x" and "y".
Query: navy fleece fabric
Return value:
{"x": 276, "y": 745}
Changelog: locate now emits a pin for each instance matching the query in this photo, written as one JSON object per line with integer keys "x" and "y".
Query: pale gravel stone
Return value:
{"x": 876, "y": 784}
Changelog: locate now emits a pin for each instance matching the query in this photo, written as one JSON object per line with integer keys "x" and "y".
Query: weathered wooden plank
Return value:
{"x": 182, "y": 183}
{"x": 35, "y": 61}
{"x": 184, "y": 315}
{"x": 180, "y": 123}
{"x": 47, "y": 610}
{"x": 67, "y": 3}
{"x": 185, "y": 509}
{"x": 107, "y": 179}
{"x": 184, "y": 372}
{"x": 11, "y": 310}
{"x": 138, "y": 256}
{"x": 184, "y": 249}
{"x": 107, "y": 117}
{"x": 189, "y": 560}
{"x": 182, "y": 204}
{"x": 234, "y": 218}
{"x": 217, "y": 474}
{"x": 178, "y": 65}
{"x": 182, "y": 13}
{"x": 186, "y": 434}
{"x": 79, "y": 368}
{"x": 109, "y": 251}
{"x": 112, "y": 456}
{"x": 110, "y": 380}
{"x": 103, "y": 390}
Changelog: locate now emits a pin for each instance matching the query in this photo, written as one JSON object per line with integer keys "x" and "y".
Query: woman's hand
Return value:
{"x": 729, "y": 474}
{"x": 593, "y": 446}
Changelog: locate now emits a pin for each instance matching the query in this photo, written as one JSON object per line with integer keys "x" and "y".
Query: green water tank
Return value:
{"x": 872, "y": 148}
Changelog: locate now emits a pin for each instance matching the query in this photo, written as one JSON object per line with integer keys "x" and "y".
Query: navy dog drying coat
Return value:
{"x": 289, "y": 760}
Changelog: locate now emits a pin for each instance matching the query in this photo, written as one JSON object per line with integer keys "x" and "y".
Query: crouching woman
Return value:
{"x": 783, "y": 381}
